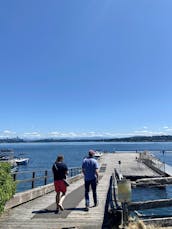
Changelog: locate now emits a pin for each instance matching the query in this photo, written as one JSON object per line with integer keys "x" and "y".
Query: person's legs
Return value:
{"x": 94, "y": 186}
{"x": 61, "y": 201}
{"x": 60, "y": 187}
{"x": 87, "y": 201}
{"x": 57, "y": 200}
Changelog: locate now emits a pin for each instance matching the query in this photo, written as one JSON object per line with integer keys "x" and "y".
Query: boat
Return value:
{"x": 98, "y": 154}
{"x": 21, "y": 160}
{"x": 8, "y": 159}
{"x": 6, "y": 150}
{"x": 8, "y": 156}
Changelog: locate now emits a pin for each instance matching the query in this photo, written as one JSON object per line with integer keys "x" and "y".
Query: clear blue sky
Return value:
{"x": 85, "y": 68}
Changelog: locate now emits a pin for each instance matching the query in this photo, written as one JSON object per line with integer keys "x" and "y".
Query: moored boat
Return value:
{"x": 21, "y": 161}
{"x": 98, "y": 154}
{"x": 7, "y": 155}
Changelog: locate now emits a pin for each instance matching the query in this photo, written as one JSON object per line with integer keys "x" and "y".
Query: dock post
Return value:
{"x": 163, "y": 152}
{"x": 45, "y": 181}
{"x": 125, "y": 213}
{"x": 14, "y": 177}
{"x": 33, "y": 179}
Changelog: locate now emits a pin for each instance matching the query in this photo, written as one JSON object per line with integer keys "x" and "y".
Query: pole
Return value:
{"x": 163, "y": 152}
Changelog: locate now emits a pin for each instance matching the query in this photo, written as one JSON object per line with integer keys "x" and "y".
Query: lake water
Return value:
{"x": 43, "y": 155}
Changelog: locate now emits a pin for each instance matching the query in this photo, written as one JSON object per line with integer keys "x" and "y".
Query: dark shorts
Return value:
{"x": 60, "y": 186}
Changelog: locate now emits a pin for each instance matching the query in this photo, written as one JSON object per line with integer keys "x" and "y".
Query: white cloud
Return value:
{"x": 61, "y": 134}
{"x": 144, "y": 131}
{"x": 54, "y": 133}
{"x": 32, "y": 134}
{"x": 165, "y": 127}
{"x": 8, "y": 132}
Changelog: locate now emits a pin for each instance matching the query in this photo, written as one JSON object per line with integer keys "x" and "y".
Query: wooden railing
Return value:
{"x": 38, "y": 177}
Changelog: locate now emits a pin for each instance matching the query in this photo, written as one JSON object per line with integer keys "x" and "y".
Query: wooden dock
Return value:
{"x": 40, "y": 212}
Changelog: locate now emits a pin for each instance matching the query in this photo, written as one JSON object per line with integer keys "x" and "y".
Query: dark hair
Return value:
{"x": 60, "y": 158}
{"x": 91, "y": 153}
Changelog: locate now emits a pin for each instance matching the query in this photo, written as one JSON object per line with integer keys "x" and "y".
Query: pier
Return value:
{"x": 40, "y": 212}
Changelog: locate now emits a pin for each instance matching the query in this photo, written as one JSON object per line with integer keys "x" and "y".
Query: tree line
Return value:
{"x": 158, "y": 138}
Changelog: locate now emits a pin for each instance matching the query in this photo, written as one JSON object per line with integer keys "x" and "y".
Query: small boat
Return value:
{"x": 98, "y": 154}
{"x": 21, "y": 161}
{"x": 6, "y": 150}
{"x": 7, "y": 155}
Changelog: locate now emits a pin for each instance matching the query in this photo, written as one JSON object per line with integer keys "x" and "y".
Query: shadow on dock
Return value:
{"x": 70, "y": 203}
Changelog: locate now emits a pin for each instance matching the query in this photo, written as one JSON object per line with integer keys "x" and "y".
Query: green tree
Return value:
{"x": 7, "y": 185}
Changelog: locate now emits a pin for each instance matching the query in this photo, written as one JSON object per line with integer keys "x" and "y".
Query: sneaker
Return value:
{"x": 61, "y": 207}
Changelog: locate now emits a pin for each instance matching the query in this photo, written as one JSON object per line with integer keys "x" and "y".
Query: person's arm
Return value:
{"x": 66, "y": 171}
{"x": 96, "y": 170}
{"x": 83, "y": 170}
{"x": 97, "y": 175}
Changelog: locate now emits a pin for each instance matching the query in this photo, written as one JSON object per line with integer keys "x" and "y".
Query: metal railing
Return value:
{"x": 151, "y": 161}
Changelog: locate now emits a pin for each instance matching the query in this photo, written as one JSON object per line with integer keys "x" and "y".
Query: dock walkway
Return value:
{"x": 40, "y": 212}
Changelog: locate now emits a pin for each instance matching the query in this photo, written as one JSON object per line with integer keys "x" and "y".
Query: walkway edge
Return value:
{"x": 23, "y": 197}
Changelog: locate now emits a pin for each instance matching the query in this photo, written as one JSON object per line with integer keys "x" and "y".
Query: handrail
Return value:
{"x": 22, "y": 172}
{"x": 40, "y": 175}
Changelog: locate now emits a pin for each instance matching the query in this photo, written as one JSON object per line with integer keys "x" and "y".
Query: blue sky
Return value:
{"x": 85, "y": 68}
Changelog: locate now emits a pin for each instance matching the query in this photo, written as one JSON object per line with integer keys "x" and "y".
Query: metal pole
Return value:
{"x": 33, "y": 181}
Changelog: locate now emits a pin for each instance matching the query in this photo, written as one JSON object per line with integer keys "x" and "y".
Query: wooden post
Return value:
{"x": 14, "y": 176}
{"x": 33, "y": 181}
{"x": 125, "y": 213}
{"x": 45, "y": 180}
{"x": 72, "y": 172}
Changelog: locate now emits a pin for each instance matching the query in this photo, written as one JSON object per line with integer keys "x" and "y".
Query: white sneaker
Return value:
{"x": 61, "y": 207}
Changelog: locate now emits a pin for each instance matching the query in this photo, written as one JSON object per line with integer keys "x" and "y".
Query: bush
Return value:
{"x": 138, "y": 224}
{"x": 7, "y": 185}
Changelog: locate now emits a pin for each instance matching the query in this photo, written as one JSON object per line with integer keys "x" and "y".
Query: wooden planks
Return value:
{"x": 26, "y": 215}
{"x": 130, "y": 166}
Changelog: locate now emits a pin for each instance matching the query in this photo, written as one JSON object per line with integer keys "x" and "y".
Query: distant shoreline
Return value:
{"x": 162, "y": 138}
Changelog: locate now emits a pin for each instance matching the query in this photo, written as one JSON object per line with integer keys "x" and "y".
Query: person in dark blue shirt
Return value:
{"x": 90, "y": 171}
{"x": 60, "y": 171}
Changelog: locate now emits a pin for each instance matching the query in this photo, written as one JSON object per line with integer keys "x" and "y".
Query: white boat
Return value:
{"x": 21, "y": 161}
{"x": 98, "y": 154}
{"x": 7, "y": 155}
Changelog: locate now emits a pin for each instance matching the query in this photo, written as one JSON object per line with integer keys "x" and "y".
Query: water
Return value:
{"x": 43, "y": 155}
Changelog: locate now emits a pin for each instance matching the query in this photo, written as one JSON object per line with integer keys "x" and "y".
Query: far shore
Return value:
{"x": 159, "y": 138}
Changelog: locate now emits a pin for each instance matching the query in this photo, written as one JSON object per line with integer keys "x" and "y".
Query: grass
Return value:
{"x": 140, "y": 225}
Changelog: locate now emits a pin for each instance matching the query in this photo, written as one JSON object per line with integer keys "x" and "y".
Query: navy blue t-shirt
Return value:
{"x": 59, "y": 170}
